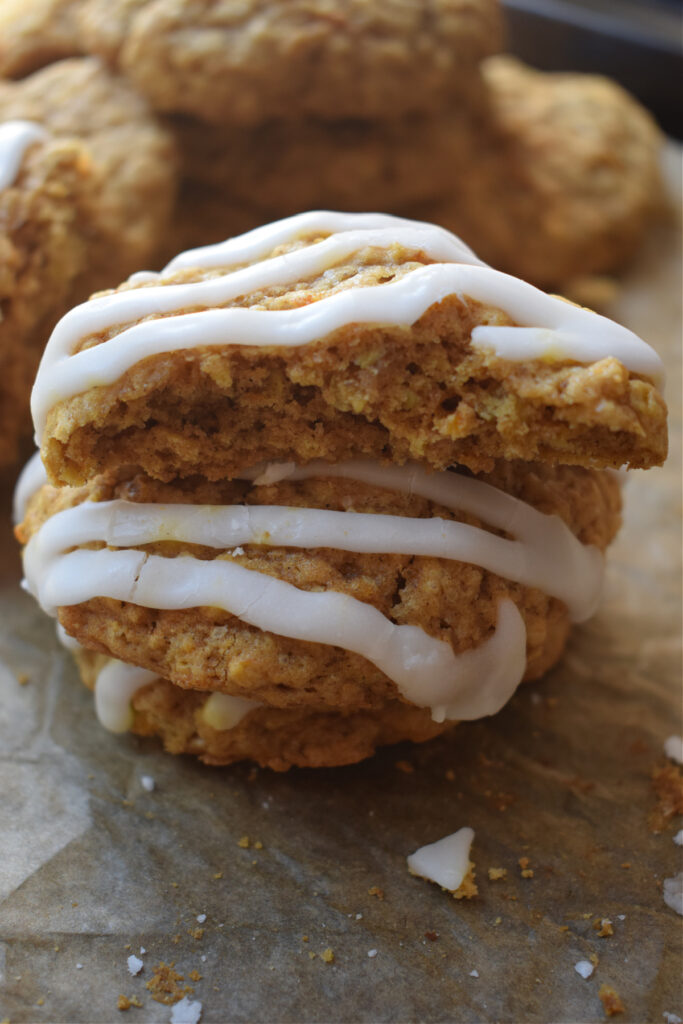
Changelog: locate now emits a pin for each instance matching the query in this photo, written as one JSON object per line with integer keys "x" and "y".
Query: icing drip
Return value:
{"x": 31, "y": 479}
{"x": 427, "y": 671}
{"x": 115, "y": 688}
{"x": 15, "y": 138}
{"x": 222, "y": 711}
{"x": 548, "y": 328}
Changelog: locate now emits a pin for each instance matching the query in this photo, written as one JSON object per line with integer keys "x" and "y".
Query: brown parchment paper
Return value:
{"x": 93, "y": 866}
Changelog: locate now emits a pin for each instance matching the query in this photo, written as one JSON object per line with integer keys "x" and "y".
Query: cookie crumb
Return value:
{"x": 375, "y": 890}
{"x": 258, "y": 845}
{"x": 23, "y": 678}
{"x": 164, "y": 984}
{"x": 526, "y": 871}
{"x": 667, "y": 782}
{"x": 496, "y": 873}
{"x": 498, "y": 920}
{"x": 196, "y": 933}
{"x": 603, "y": 927}
{"x": 432, "y": 936}
{"x": 243, "y": 842}
{"x": 327, "y": 955}
{"x": 610, "y": 1000}
{"x": 195, "y": 976}
{"x": 123, "y": 1003}
{"x": 468, "y": 888}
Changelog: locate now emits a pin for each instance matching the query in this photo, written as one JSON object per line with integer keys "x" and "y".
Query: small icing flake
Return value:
{"x": 445, "y": 862}
{"x": 584, "y": 967}
{"x": 135, "y": 965}
{"x": 673, "y": 892}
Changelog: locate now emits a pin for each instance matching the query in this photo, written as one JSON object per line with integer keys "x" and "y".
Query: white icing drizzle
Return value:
{"x": 31, "y": 479}
{"x": 427, "y": 671}
{"x": 549, "y": 328}
{"x": 68, "y": 642}
{"x": 15, "y": 138}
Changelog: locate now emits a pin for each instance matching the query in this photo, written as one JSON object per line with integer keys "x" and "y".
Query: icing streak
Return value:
{"x": 15, "y": 139}
{"x": 544, "y": 553}
{"x": 146, "y": 321}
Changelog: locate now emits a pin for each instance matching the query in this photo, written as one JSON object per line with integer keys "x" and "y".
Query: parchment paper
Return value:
{"x": 93, "y": 866}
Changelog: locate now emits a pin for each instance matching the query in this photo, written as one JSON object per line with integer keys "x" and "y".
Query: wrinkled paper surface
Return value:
{"x": 93, "y": 866}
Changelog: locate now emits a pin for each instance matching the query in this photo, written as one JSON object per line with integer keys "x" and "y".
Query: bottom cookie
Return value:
{"x": 221, "y": 730}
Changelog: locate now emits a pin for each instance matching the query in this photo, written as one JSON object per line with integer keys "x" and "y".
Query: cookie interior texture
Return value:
{"x": 394, "y": 393}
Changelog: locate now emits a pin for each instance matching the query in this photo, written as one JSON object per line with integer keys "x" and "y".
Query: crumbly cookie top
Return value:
{"x": 301, "y": 279}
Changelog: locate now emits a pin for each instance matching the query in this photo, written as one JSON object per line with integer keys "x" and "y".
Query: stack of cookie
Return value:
{"x": 330, "y": 484}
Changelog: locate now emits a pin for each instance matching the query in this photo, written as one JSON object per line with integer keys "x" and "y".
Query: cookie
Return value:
{"x": 568, "y": 178}
{"x": 86, "y": 186}
{"x": 221, "y": 730}
{"x": 47, "y": 189}
{"x": 339, "y": 587}
{"x": 284, "y": 167}
{"x": 34, "y": 33}
{"x": 243, "y": 64}
{"x": 567, "y": 163}
{"x": 132, "y": 155}
{"x": 336, "y": 336}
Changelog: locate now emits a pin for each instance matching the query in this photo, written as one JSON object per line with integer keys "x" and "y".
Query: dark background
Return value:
{"x": 637, "y": 42}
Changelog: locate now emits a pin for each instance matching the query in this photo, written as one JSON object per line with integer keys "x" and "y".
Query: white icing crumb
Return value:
{"x": 203, "y": 958}
{"x": 585, "y": 968}
{"x": 621, "y": 917}
{"x": 673, "y": 748}
{"x": 474, "y": 974}
{"x": 201, "y": 918}
{"x": 673, "y": 892}
{"x": 372, "y": 952}
{"x": 186, "y": 1012}
{"x": 672, "y": 1018}
{"x": 79, "y": 967}
{"x": 678, "y": 838}
{"x": 445, "y": 862}
{"x": 274, "y": 472}
{"x": 135, "y": 965}
{"x": 359, "y": 917}
{"x": 237, "y": 551}
{"x": 142, "y": 950}
{"x": 147, "y": 782}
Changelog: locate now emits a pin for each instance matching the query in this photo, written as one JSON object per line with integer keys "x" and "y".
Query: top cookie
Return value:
{"x": 337, "y": 335}
{"x": 244, "y": 63}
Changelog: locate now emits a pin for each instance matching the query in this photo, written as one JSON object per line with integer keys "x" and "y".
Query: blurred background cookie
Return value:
{"x": 87, "y": 201}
